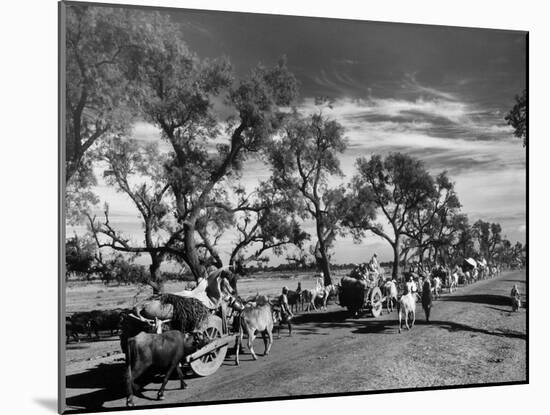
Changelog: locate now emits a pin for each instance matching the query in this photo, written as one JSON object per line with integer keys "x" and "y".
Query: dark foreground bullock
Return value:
{"x": 160, "y": 352}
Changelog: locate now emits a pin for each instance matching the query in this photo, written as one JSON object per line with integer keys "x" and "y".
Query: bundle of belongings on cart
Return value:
{"x": 356, "y": 286}
{"x": 363, "y": 275}
{"x": 185, "y": 310}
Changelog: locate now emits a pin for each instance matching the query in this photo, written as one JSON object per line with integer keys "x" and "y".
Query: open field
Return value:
{"x": 82, "y": 296}
{"x": 473, "y": 338}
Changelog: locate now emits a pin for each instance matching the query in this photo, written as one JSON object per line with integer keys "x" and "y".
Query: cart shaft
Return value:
{"x": 213, "y": 345}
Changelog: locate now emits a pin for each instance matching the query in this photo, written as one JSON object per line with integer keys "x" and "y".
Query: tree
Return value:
{"x": 178, "y": 96}
{"x": 80, "y": 255}
{"x": 104, "y": 46}
{"x": 137, "y": 172}
{"x": 120, "y": 268}
{"x": 264, "y": 219}
{"x": 394, "y": 187}
{"x": 118, "y": 72}
{"x": 464, "y": 245}
{"x": 519, "y": 253}
{"x": 517, "y": 117}
{"x": 433, "y": 224}
{"x": 504, "y": 254}
{"x": 303, "y": 160}
{"x": 488, "y": 237}
{"x": 267, "y": 223}
{"x": 98, "y": 40}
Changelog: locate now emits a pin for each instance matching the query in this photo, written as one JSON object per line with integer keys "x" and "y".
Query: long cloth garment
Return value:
{"x": 427, "y": 298}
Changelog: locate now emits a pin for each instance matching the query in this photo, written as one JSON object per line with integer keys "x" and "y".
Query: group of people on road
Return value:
{"x": 424, "y": 287}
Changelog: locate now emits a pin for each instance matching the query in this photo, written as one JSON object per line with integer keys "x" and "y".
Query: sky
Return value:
{"x": 437, "y": 93}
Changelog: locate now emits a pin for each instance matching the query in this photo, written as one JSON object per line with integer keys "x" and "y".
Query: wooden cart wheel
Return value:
{"x": 209, "y": 363}
{"x": 376, "y": 301}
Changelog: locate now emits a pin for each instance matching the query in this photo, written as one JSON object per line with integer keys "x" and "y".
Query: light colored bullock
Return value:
{"x": 406, "y": 309}
{"x": 390, "y": 292}
{"x": 253, "y": 319}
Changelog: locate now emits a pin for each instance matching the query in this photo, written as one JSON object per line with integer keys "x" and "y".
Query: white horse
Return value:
{"x": 453, "y": 282}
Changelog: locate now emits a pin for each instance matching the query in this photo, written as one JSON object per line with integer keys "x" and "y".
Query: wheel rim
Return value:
{"x": 376, "y": 302}
{"x": 210, "y": 362}
{"x": 211, "y": 333}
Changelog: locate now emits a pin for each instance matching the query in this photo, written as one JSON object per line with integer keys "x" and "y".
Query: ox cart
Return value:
{"x": 362, "y": 294}
{"x": 192, "y": 311}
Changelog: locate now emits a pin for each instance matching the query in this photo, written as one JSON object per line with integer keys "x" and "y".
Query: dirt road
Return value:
{"x": 473, "y": 338}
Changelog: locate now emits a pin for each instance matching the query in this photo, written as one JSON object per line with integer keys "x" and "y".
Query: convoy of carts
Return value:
{"x": 359, "y": 293}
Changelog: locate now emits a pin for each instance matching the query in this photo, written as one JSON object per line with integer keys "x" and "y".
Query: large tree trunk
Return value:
{"x": 421, "y": 255}
{"x": 191, "y": 253}
{"x": 324, "y": 265}
{"x": 156, "y": 281}
{"x": 321, "y": 254}
{"x": 395, "y": 267}
{"x": 405, "y": 258}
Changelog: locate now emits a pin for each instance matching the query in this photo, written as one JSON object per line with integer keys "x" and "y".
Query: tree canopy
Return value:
{"x": 394, "y": 186}
{"x": 304, "y": 157}
{"x": 517, "y": 117}
{"x": 183, "y": 95}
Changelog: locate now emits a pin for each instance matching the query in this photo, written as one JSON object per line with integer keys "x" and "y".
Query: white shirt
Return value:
{"x": 411, "y": 286}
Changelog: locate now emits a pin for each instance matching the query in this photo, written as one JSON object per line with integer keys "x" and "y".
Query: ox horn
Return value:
{"x": 143, "y": 319}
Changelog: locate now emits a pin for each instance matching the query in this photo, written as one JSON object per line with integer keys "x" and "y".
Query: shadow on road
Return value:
{"x": 327, "y": 320}
{"x": 76, "y": 346}
{"x": 378, "y": 327}
{"x": 479, "y": 299}
{"x": 108, "y": 378}
{"x": 454, "y": 327}
{"x": 321, "y": 317}
{"x": 504, "y": 310}
{"x": 390, "y": 327}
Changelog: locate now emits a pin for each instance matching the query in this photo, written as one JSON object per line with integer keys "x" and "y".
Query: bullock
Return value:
{"x": 111, "y": 320}
{"x": 131, "y": 325}
{"x": 407, "y": 308}
{"x": 256, "y": 318}
{"x": 81, "y": 323}
{"x": 390, "y": 292}
{"x": 108, "y": 320}
{"x": 300, "y": 297}
{"x": 294, "y": 299}
{"x": 161, "y": 352}
{"x": 72, "y": 330}
{"x": 319, "y": 293}
{"x": 309, "y": 297}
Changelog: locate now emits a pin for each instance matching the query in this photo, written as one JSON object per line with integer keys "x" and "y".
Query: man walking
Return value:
{"x": 427, "y": 298}
{"x": 516, "y": 298}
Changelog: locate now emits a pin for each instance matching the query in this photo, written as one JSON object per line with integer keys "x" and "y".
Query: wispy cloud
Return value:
{"x": 474, "y": 145}
{"x": 411, "y": 83}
